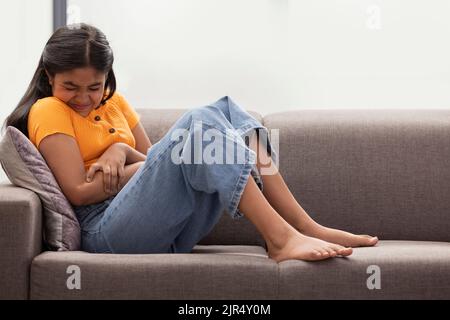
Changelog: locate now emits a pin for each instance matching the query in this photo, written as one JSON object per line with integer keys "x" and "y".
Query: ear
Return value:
{"x": 50, "y": 78}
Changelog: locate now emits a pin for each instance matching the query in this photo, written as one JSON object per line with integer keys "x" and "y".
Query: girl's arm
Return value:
{"x": 93, "y": 192}
{"x": 132, "y": 154}
{"x": 62, "y": 155}
{"x": 143, "y": 142}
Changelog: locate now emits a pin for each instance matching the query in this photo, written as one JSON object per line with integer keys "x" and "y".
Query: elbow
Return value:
{"x": 75, "y": 197}
{"x": 75, "y": 202}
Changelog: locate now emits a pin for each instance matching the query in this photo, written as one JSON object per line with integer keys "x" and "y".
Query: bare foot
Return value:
{"x": 301, "y": 247}
{"x": 343, "y": 238}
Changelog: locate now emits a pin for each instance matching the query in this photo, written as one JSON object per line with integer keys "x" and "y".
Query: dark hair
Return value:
{"x": 70, "y": 47}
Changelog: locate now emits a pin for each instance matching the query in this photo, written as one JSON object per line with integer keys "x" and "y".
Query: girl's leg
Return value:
{"x": 283, "y": 241}
{"x": 282, "y": 200}
{"x": 172, "y": 201}
{"x": 169, "y": 207}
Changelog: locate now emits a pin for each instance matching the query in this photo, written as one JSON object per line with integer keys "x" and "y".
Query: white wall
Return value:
{"x": 25, "y": 26}
{"x": 275, "y": 55}
{"x": 269, "y": 55}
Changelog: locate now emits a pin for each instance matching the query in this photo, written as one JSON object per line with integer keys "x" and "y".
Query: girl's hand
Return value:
{"x": 112, "y": 163}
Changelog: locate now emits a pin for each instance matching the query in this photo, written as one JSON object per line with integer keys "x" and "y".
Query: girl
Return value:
{"x": 134, "y": 197}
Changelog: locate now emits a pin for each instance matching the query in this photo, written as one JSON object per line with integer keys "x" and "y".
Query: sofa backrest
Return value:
{"x": 379, "y": 172}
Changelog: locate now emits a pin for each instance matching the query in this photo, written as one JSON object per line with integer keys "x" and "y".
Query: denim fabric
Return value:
{"x": 168, "y": 207}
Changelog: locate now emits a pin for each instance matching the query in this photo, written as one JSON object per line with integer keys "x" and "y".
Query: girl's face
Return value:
{"x": 81, "y": 88}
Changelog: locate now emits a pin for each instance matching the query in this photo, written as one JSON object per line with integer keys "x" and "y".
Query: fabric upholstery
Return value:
{"x": 26, "y": 168}
{"x": 406, "y": 269}
{"x": 376, "y": 172}
{"x": 20, "y": 239}
{"x": 244, "y": 273}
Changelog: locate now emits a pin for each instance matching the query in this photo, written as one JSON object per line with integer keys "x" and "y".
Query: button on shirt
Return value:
{"x": 95, "y": 133}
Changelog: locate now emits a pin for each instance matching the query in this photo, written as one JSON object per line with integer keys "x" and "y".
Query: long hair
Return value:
{"x": 70, "y": 47}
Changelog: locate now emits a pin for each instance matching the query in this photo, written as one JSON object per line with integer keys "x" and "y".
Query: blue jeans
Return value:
{"x": 169, "y": 206}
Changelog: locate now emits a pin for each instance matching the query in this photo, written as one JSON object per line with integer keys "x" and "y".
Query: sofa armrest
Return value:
{"x": 20, "y": 239}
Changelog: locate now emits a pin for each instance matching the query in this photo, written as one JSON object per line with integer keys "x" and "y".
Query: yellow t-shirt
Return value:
{"x": 95, "y": 133}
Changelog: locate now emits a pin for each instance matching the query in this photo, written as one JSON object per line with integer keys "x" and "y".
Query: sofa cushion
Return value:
{"x": 376, "y": 172}
{"x": 216, "y": 272}
{"x": 26, "y": 168}
{"x": 391, "y": 270}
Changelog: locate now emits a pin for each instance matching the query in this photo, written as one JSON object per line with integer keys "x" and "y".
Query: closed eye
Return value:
{"x": 73, "y": 89}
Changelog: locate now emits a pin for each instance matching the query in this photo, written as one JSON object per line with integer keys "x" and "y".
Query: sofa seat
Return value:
{"x": 407, "y": 270}
{"x": 209, "y": 272}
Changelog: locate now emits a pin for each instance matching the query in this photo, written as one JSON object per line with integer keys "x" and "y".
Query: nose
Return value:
{"x": 82, "y": 99}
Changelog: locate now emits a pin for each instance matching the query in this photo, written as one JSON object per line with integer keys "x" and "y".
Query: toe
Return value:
{"x": 316, "y": 253}
{"x": 369, "y": 240}
{"x": 331, "y": 251}
{"x": 338, "y": 248}
{"x": 345, "y": 251}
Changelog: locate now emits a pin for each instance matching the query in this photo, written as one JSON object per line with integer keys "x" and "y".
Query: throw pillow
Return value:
{"x": 26, "y": 168}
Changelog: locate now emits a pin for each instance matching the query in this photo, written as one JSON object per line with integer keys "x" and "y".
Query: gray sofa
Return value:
{"x": 380, "y": 172}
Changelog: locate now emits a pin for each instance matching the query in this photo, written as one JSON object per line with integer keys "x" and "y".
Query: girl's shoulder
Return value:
{"x": 49, "y": 103}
